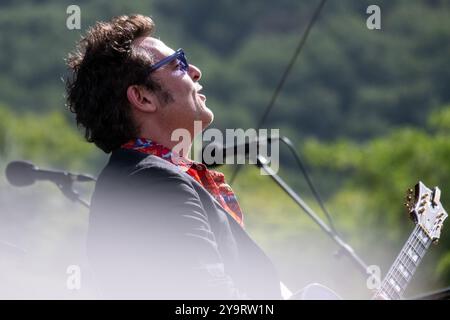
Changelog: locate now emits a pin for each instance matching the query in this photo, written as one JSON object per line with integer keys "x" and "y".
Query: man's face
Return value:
{"x": 181, "y": 104}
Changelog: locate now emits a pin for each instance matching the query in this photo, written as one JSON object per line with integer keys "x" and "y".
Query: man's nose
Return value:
{"x": 194, "y": 73}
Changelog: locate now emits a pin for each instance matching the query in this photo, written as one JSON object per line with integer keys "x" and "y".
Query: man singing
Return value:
{"x": 158, "y": 228}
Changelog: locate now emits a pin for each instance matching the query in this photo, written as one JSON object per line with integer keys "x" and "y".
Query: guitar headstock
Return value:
{"x": 425, "y": 208}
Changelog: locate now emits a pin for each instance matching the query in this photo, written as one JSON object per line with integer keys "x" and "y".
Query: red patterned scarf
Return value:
{"x": 211, "y": 180}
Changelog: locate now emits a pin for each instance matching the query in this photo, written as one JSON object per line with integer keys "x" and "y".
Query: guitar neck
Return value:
{"x": 405, "y": 265}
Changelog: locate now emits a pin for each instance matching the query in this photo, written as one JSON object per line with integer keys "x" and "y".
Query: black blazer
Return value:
{"x": 155, "y": 233}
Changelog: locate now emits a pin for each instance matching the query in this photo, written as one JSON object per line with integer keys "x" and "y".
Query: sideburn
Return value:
{"x": 165, "y": 96}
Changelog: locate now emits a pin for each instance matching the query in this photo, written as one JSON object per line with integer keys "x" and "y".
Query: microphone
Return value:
{"x": 23, "y": 173}
{"x": 219, "y": 153}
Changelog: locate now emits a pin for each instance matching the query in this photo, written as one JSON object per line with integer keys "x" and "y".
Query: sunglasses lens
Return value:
{"x": 178, "y": 55}
{"x": 183, "y": 62}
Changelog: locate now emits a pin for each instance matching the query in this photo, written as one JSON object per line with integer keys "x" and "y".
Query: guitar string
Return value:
{"x": 419, "y": 248}
{"x": 387, "y": 287}
{"x": 406, "y": 260}
{"x": 403, "y": 257}
{"x": 418, "y": 236}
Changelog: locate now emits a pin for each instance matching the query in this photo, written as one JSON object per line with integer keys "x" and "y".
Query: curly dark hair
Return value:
{"x": 103, "y": 65}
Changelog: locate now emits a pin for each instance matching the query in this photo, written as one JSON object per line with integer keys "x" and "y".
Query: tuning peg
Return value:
{"x": 421, "y": 210}
{"x": 437, "y": 195}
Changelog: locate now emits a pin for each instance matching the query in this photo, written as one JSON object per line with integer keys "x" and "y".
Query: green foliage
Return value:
{"x": 440, "y": 120}
{"x": 367, "y": 105}
{"x": 45, "y": 139}
{"x": 379, "y": 172}
{"x": 348, "y": 81}
{"x": 443, "y": 268}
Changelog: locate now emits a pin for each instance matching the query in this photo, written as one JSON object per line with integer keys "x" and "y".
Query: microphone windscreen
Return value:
{"x": 20, "y": 173}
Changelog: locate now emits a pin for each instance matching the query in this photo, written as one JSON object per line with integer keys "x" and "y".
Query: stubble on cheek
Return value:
{"x": 165, "y": 96}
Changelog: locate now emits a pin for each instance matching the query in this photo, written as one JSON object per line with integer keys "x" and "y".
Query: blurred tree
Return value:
{"x": 45, "y": 139}
{"x": 379, "y": 172}
{"x": 348, "y": 82}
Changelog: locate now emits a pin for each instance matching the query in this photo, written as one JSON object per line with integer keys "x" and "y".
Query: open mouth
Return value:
{"x": 200, "y": 88}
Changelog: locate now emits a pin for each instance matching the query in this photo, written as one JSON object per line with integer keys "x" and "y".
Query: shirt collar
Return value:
{"x": 148, "y": 146}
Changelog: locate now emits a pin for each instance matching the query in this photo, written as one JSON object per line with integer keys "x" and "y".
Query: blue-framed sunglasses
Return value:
{"x": 179, "y": 54}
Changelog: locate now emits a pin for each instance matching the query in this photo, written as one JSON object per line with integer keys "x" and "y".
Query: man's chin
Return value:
{"x": 206, "y": 116}
{"x": 210, "y": 118}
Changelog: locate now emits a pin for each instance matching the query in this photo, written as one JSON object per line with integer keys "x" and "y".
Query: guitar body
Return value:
{"x": 315, "y": 291}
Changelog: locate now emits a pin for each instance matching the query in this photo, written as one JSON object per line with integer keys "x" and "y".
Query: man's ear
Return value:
{"x": 142, "y": 99}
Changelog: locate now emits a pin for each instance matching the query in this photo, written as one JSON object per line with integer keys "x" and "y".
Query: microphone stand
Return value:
{"x": 343, "y": 247}
{"x": 65, "y": 184}
{"x": 24, "y": 173}
{"x": 66, "y": 187}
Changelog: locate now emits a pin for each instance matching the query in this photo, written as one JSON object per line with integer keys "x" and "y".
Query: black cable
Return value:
{"x": 285, "y": 74}
{"x": 302, "y": 166}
